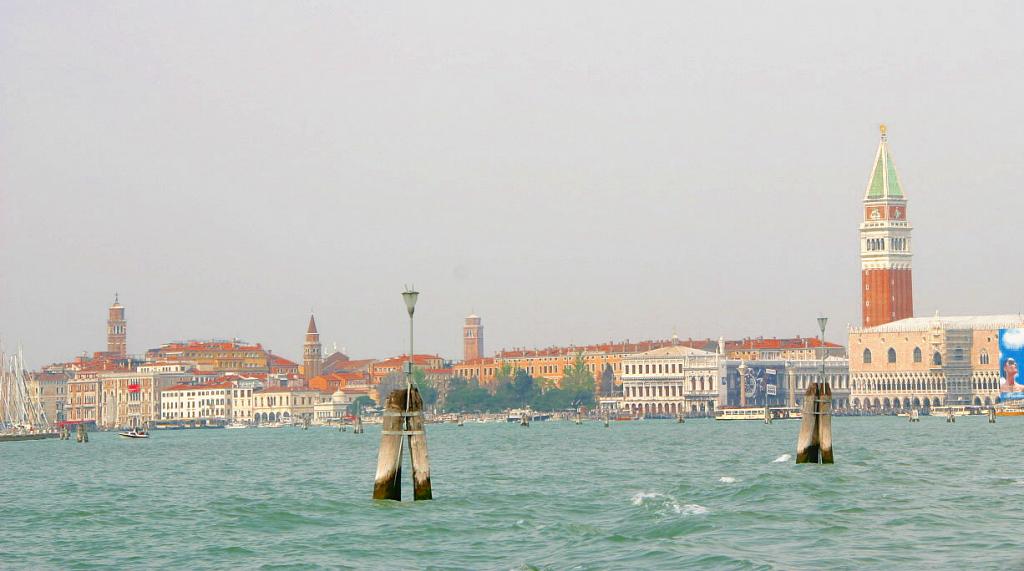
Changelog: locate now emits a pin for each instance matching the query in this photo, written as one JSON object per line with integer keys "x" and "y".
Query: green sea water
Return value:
{"x": 638, "y": 495}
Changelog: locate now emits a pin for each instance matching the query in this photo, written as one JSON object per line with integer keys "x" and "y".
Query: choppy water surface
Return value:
{"x": 640, "y": 495}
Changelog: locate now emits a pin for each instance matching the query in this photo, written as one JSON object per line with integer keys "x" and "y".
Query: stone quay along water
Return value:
{"x": 646, "y": 495}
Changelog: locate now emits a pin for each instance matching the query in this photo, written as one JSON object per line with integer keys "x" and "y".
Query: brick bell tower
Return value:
{"x": 312, "y": 353}
{"x": 885, "y": 245}
{"x": 472, "y": 338}
{"x": 117, "y": 330}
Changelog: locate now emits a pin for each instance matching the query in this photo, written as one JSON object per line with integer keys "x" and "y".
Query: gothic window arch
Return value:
{"x": 867, "y": 356}
{"x": 891, "y": 355}
{"x": 917, "y": 354}
{"x": 937, "y": 358}
{"x": 983, "y": 359}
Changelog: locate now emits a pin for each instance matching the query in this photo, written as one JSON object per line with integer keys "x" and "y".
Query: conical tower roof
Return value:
{"x": 884, "y": 183}
{"x": 312, "y": 325}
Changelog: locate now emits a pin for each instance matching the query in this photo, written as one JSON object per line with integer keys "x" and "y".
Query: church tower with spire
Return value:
{"x": 117, "y": 330}
{"x": 885, "y": 245}
{"x": 312, "y": 352}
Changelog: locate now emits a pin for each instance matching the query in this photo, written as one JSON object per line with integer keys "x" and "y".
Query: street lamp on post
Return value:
{"x": 822, "y": 321}
{"x": 409, "y": 296}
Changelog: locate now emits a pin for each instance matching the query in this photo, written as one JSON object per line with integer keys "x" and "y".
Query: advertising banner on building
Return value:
{"x": 752, "y": 385}
{"x": 1011, "y": 357}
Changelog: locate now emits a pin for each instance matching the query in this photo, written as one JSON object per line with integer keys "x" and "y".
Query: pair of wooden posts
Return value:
{"x": 403, "y": 416}
{"x": 82, "y": 435}
{"x": 814, "y": 444}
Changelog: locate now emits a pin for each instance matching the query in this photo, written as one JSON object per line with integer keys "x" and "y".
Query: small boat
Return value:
{"x": 1010, "y": 409}
{"x": 236, "y": 425}
{"x": 134, "y": 433}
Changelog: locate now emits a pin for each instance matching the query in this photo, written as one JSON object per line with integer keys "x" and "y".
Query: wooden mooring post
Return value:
{"x": 524, "y": 419}
{"x": 403, "y": 416}
{"x": 357, "y": 425}
{"x": 814, "y": 444}
{"x": 605, "y": 417}
{"x": 992, "y": 416}
{"x": 82, "y": 435}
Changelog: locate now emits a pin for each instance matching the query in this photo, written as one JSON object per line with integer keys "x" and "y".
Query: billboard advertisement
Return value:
{"x": 1011, "y": 358}
{"x": 757, "y": 383}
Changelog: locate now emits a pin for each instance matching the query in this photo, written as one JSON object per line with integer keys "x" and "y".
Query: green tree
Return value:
{"x": 523, "y": 387}
{"x": 578, "y": 382}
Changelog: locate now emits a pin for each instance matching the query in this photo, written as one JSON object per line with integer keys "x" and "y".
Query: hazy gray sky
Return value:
{"x": 572, "y": 171}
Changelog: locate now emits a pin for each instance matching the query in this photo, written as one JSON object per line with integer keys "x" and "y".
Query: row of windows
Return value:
{"x": 674, "y": 390}
{"x": 654, "y": 369}
{"x": 958, "y": 355}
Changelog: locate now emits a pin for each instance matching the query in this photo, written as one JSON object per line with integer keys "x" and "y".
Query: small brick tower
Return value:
{"x": 117, "y": 330}
{"x": 885, "y": 246}
{"x": 312, "y": 353}
{"x": 472, "y": 338}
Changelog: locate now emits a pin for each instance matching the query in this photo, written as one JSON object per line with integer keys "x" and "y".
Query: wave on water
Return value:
{"x": 727, "y": 480}
{"x": 783, "y": 458}
{"x": 664, "y": 502}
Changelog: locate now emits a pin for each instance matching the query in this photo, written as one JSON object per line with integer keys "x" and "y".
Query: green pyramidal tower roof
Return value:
{"x": 884, "y": 183}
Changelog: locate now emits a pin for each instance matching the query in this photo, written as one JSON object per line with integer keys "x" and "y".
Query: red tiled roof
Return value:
{"x": 200, "y": 387}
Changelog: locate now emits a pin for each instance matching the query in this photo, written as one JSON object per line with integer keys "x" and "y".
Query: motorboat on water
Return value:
{"x": 236, "y": 425}
{"x": 957, "y": 410}
{"x": 1015, "y": 408}
{"x": 757, "y": 413}
{"x": 135, "y": 433}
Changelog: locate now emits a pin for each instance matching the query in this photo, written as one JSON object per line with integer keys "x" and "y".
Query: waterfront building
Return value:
{"x": 472, "y": 338}
{"x": 130, "y": 398}
{"x": 220, "y": 400}
{"x": 885, "y": 245}
{"x": 50, "y": 389}
{"x": 117, "y": 330}
{"x": 84, "y": 390}
{"x": 332, "y": 407}
{"x": 483, "y": 370}
{"x": 923, "y": 362}
{"x": 671, "y": 380}
{"x": 312, "y": 352}
{"x": 284, "y": 404}
{"x": 214, "y": 356}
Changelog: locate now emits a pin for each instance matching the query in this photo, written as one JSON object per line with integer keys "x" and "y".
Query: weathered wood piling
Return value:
{"x": 992, "y": 416}
{"x": 524, "y": 419}
{"x": 82, "y": 435}
{"x": 402, "y": 417}
{"x": 357, "y": 426}
{"x": 605, "y": 417}
{"x": 915, "y": 415}
{"x": 814, "y": 444}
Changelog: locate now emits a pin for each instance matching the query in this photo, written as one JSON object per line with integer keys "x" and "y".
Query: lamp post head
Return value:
{"x": 821, "y": 325}
{"x": 410, "y": 295}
